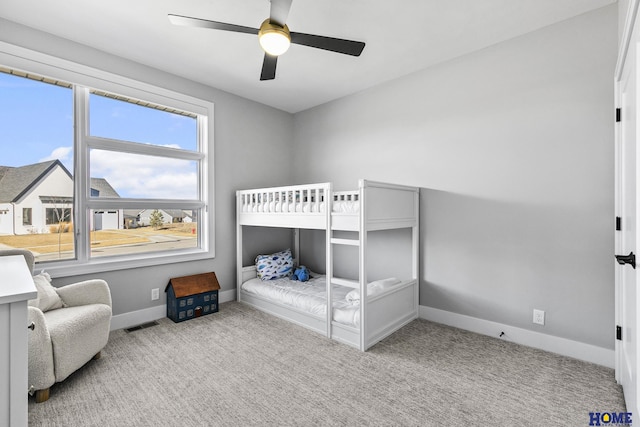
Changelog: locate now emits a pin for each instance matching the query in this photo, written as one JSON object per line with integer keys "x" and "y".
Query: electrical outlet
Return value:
{"x": 538, "y": 316}
{"x": 155, "y": 294}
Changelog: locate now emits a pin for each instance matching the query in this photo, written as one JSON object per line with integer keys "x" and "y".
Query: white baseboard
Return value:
{"x": 134, "y": 318}
{"x": 563, "y": 346}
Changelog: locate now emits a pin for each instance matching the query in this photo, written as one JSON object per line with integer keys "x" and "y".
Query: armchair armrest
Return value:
{"x": 41, "y": 375}
{"x": 95, "y": 291}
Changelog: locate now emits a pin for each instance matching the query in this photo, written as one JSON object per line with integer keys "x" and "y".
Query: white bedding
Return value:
{"x": 277, "y": 207}
{"x": 311, "y": 296}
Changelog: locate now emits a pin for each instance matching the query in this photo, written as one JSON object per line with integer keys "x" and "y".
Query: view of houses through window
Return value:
{"x": 142, "y": 185}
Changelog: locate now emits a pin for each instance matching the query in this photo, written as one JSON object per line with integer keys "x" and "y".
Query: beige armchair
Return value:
{"x": 68, "y": 332}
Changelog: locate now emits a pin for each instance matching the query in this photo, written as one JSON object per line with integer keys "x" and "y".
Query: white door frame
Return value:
{"x": 625, "y": 43}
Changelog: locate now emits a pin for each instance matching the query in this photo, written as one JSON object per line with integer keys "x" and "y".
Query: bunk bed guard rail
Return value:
{"x": 291, "y": 199}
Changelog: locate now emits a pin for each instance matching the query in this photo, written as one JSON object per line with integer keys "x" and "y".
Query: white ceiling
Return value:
{"x": 401, "y": 37}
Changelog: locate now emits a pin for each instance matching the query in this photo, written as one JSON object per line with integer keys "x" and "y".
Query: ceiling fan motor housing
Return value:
{"x": 274, "y": 39}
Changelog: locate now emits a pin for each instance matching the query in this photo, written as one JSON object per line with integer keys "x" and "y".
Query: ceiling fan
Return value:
{"x": 274, "y": 36}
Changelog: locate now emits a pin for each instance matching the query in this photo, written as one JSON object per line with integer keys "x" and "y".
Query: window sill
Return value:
{"x": 97, "y": 265}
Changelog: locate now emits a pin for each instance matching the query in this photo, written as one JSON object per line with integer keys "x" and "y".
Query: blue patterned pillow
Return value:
{"x": 274, "y": 266}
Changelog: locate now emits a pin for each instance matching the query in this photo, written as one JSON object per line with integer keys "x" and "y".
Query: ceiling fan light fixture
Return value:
{"x": 274, "y": 39}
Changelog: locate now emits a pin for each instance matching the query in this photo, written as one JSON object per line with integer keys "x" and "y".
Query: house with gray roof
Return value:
{"x": 38, "y": 197}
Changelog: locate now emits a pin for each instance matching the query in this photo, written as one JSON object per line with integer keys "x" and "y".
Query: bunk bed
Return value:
{"x": 360, "y": 312}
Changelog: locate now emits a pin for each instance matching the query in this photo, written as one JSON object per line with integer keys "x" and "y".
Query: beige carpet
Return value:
{"x": 240, "y": 367}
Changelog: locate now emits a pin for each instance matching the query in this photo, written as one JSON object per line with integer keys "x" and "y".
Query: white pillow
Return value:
{"x": 48, "y": 298}
{"x": 373, "y": 288}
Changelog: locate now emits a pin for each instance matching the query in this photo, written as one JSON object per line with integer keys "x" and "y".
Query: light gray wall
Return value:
{"x": 241, "y": 161}
{"x": 623, "y": 9}
{"x": 513, "y": 149}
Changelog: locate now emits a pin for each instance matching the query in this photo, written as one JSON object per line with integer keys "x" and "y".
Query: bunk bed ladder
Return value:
{"x": 333, "y": 280}
{"x": 355, "y": 284}
{"x": 359, "y": 243}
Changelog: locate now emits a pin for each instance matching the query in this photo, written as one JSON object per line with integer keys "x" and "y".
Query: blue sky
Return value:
{"x": 35, "y": 118}
{"x": 36, "y": 124}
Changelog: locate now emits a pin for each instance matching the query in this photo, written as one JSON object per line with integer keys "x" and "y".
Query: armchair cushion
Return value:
{"x": 94, "y": 291}
{"x": 48, "y": 298}
{"x": 77, "y": 334}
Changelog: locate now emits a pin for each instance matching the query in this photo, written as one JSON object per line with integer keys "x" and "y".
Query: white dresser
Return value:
{"x": 16, "y": 287}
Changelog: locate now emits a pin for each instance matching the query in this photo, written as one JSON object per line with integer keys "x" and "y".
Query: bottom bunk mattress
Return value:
{"x": 311, "y": 296}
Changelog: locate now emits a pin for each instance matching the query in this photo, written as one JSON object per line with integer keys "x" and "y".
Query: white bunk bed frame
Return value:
{"x": 382, "y": 207}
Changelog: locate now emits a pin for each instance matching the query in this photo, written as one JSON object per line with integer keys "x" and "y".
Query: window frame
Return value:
{"x": 85, "y": 79}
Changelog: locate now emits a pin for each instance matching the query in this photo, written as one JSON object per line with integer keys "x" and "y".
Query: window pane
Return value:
{"x": 58, "y": 217}
{"x": 123, "y": 120}
{"x": 133, "y": 231}
{"x": 36, "y": 165}
{"x": 142, "y": 177}
{"x": 26, "y": 216}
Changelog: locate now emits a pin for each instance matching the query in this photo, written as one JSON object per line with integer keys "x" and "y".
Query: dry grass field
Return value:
{"x": 55, "y": 242}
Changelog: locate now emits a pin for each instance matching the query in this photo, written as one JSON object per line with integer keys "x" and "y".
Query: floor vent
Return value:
{"x": 143, "y": 326}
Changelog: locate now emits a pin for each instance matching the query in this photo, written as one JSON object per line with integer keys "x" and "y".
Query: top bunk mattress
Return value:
{"x": 298, "y": 201}
{"x": 342, "y": 207}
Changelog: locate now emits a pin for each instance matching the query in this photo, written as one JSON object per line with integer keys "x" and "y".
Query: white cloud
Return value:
{"x": 138, "y": 176}
{"x": 64, "y": 154}
{"x": 60, "y": 153}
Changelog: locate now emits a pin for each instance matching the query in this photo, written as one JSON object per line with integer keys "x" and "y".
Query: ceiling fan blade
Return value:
{"x": 269, "y": 67}
{"x": 214, "y": 25}
{"x": 348, "y": 47}
{"x": 280, "y": 11}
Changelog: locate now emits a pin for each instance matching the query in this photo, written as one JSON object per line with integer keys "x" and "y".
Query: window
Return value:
{"x": 57, "y": 216}
{"x": 127, "y": 187}
{"x": 26, "y": 216}
{"x": 147, "y": 155}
